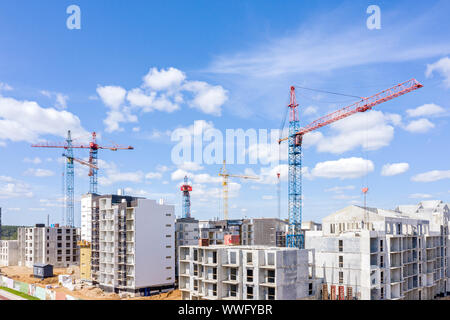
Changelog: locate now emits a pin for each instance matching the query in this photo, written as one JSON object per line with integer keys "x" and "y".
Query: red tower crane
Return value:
{"x": 295, "y": 236}
{"x": 93, "y": 155}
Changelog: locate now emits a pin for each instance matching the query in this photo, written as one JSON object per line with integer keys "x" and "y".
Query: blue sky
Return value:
{"x": 138, "y": 70}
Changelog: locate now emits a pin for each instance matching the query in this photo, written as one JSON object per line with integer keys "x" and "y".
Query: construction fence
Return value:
{"x": 33, "y": 290}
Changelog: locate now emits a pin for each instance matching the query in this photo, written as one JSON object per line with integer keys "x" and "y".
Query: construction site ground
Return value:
{"x": 85, "y": 292}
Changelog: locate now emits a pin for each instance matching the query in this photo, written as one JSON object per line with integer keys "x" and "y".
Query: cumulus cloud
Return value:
{"x": 419, "y": 126}
{"x": 431, "y": 176}
{"x": 429, "y": 109}
{"x": 346, "y": 168}
{"x": 371, "y": 130}
{"x": 442, "y": 67}
{"x": 34, "y": 121}
{"x": 163, "y": 79}
{"x": 111, "y": 174}
{"x": 394, "y": 169}
{"x": 190, "y": 166}
{"x": 207, "y": 98}
{"x": 40, "y": 173}
{"x": 60, "y": 98}
{"x": 161, "y": 90}
{"x": 112, "y": 96}
{"x": 35, "y": 160}
{"x": 12, "y": 188}
{"x": 340, "y": 189}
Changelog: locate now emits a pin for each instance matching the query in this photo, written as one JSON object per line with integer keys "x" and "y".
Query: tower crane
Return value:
{"x": 186, "y": 189}
{"x": 225, "y": 175}
{"x": 295, "y": 237}
{"x": 93, "y": 167}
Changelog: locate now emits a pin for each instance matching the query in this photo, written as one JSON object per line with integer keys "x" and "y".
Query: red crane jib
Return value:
{"x": 360, "y": 106}
{"x": 186, "y": 188}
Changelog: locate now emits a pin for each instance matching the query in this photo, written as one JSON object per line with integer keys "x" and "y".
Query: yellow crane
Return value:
{"x": 225, "y": 175}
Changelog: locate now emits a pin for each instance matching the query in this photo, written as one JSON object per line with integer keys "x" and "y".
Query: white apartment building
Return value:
{"x": 373, "y": 254}
{"x": 132, "y": 244}
{"x": 49, "y": 245}
{"x": 245, "y": 273}
{"x": 86, "y": 216}
{"x": 9, "y": 253}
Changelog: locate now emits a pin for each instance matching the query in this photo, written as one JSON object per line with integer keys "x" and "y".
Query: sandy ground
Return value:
{"x": 25, "y": 274}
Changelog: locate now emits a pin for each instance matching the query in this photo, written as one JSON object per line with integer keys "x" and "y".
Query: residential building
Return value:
{"x": 48, "y": 245}
{"x": 9, "y": 253}
{"x": 186, "y": 234}
{"x": 245, "y": 273}
{"x": 86, "y": 216}
{"x": 375, "y": 254}
{"x": 132, "y": 244}
{"x": 85, "y": 260}
{"x": 255, "y": 231}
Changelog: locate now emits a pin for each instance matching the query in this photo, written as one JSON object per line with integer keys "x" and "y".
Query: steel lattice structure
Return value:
{"x": 294, "y": 237}
{"x": 186, "y": 205}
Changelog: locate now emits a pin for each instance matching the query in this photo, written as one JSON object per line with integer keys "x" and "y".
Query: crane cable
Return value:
{"x": 330, "y": 92}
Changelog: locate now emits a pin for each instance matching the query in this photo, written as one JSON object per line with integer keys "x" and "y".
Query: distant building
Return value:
{"x": 186, "y": 234}
{"x": 311, "y": 226}
{"x": 48, "y": 245}
{"x": 132, "y": 244}
{"x": 375, "y": 254}
{"x": 9, "y": 253}
{"x": 222, "y": 272}
{"x": 255, "y": 231}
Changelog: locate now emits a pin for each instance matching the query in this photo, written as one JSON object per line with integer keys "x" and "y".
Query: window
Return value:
{"x": 271, "y": 276}
{"x": 341, "y": 277}
{"x": 67, "y": 230}
{"x": 59, "y": 259}
{"x": 381, "y": 246}
{"x": 168, "y": 214}
{"x": 249, "y": 275}
{"x": 310, "y": 289}
{"x": 233, "y": 290}
{"x": 341, "y": 261}
{"x": 381, "y": 261}
{"x": 232, "y": 257}
{"x": 214, "y": 289}
{"x": 168, "y": 268}
{"x": 381, "y": 277}
{"x": 271, "y": 294}
{"x": 250, "y": 293}
{"x": 249, "y": 257}
{"x": 59, "y": 231}
{"x": 168, "y": 235}
{"x": 233, "y": 274}
{"x": 341, "y": 245}
{"x": 168, "y": 225}
{"x": 67, "y": 258}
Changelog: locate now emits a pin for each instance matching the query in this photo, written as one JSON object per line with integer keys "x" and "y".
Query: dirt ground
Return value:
{"x": 85, "y": 292}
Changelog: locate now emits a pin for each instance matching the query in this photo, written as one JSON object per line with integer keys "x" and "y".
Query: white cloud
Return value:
{"x": 307, "y": 50}
{"x": 5, "y": 87}
{"x": 33, "y": 121}
{"x": 207, "y": 98}
{"x": 179, "y": 174}
{"x": 60, "y": 98}
{"x": 431, "y": 176}
{"x": 339, "y": 189}
{"x": 420, "y": 196}
{"x": 163, "y": 79}
{"x": 267, "y": 197}
{"x": 190, "y": 166}
{"x": 370, "y": 130}
{"x": 310, "y": 110}
{"x": 394, "y": 169}
{"x": 346, "y": 168}
{"x": 40, "y": 173}
{"x": 36, "y": 160}
{"x": 162, "y": 90}
{"x": 111, "y": 174}
{"x": 136, "y": 129}
{"x": 429, "y": 109}
{"x": 443, "y": 67}
{"x": 420, "y": 126}
{"x": 12, "y": 188}
{"x": 112, "y": 96}
{"x": 153, "y": 175}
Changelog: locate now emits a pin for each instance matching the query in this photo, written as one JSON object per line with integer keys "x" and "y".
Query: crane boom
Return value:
{"x": 295, "y": 237}
{"x": 225, "y": 175}
{"x": 361, "y": 106}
